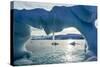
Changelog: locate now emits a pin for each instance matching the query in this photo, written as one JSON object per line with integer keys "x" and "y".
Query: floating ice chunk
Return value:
{"x": 23, "y": 61}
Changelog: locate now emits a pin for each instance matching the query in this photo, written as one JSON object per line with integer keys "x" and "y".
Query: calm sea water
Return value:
{"x": 43, "y": 52}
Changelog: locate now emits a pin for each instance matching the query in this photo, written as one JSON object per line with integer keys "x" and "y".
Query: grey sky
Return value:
{"x": 31, "y": 5}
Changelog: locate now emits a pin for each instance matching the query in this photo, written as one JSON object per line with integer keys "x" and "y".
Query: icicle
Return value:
{"x": 53, "y": 37}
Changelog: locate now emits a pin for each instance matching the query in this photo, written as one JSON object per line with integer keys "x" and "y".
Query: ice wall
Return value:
{"x": 60, "y": 17}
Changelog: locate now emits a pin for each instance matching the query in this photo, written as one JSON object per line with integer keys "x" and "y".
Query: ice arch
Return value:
{"x": 81, "y": 17}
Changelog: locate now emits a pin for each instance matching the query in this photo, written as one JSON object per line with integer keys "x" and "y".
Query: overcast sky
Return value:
{"x": 70, "y": 30}
{"x": 31, "y": 5}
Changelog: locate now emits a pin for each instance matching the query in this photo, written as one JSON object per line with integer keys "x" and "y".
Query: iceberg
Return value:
{"x": 60, "y": 17}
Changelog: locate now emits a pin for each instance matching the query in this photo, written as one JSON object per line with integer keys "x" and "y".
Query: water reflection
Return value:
{"x": 44, "y": 52}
